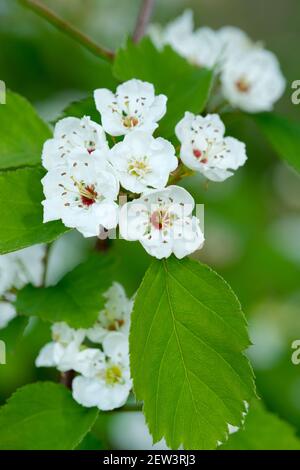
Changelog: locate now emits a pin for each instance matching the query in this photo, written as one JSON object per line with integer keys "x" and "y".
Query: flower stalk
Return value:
{"x": 37, "y": 7}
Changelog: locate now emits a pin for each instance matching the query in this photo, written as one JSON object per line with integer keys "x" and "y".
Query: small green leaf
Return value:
{"x": 43, "y": 416}
{"x": 22, "y": 212}
{"x": 22, "y": 133}
{"x": 283, "y": 135}
{"x": 263, "y": 431}
{"x": 187, "y": 338}
{"x": 186, "y": 86}
{"x": 76, "y": 299}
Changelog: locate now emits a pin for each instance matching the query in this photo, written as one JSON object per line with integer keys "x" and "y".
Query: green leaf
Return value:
{"x": 84, "y": 107}
{"x": 76, "y": 299}
{"x": 263, "y": 431}
{"x": 12, "y": 334}
{"x": 90, "y": 442}
{"x": 22, "y": 212}
{"x": 43, "y": 416}
{"x": 283, "y": 135}
{"x": 186, "y": 341}
{"x": 186, "y": 86}
{"x": 22, "y": 133}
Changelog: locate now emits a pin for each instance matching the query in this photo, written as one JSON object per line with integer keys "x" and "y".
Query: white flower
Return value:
{"x": 108, "y": 382}
{"x": 7, "y": 273}
{"x": 89, "y": 361}
{"x": 133, "y": 106}
{"x": 142, "y": 162}
{"x": 74, "y": 138}
{"x": 29, "y": 265}
{"x": 63, "y": 350}
{"x": 163, "y": 223}
{"x": 82, "y": 196}
{"x": 114, "y": 317}
{"x": 182, "y": 27}
{"x": 253, "y": 81}
{"x": 21, "y": 267}
{"x": 233, "y": 41}
{"x": 65, "y": 335}
{"x": 201, "y": 47}
{"x": 205, "y": 149}
{"x": 7, "y": 313}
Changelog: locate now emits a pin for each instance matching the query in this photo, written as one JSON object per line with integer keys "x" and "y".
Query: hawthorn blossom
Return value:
{"x": 82, "y": 196}
{"x": 21, "y": 267}
{"x": 62, "y": 351}
{"x": 7, "y": 273}
{"x": 162, "y": 222}
{"x": 114, "y": 317}
{"x": 233, "y": 41}
{"x": 180, "y": 28}
{"x": 201, "y": 47}
{"x": 7, "y": 313}
{"x": 29, "y": 264}
{"x": 142, "y": 162}
{"x": 133, "y": 106}
{"x": 205, "y": 149}
{"x": 108, "y": 382}
{"x": 85, "y": 137}
{"x": 253, "y": 81}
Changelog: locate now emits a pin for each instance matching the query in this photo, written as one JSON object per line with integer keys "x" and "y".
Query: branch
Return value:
{"x": 45, "y": 262}
{"x": 66, "y": 378}
{"x": 67, "y": 28}
{"x": 143, "y": 19}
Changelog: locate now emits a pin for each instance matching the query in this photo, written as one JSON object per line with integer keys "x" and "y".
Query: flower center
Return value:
{"x": 115, "y": 325}
{"x": 130, "y": 121}
{"x": 113, "y": 375}
{"x": 200, "y": 156}
{"x": 139, "y": 168}
{"x": 242, "y": 85}
{"x": 91, "y": 146}
{"x": 88, "y": 194}
{"x": 160, "y": 219}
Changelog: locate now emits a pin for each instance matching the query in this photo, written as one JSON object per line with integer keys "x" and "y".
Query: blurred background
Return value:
{"x": 252, "y": 221}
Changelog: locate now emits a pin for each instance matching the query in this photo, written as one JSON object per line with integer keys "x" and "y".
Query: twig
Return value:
{"x": 45, "y": 262}
{"x": 66, "y": 378}
{"x": 67, "y": 28}
{"x": 143, "y": 19}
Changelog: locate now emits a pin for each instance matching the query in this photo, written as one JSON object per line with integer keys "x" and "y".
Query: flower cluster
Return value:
{"x": 16, "y": 270}
{"x": 250, "y": 76}
{"x": 205, "y": 149}
{"x": 85, "y": 176}
{"x": 103, "y": 374}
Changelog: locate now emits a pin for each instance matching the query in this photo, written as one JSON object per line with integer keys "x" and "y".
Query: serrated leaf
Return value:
{"x": 76, "y": 299}
{"x": 186, "y": 86}
{"x": 283, "y": 135}
{"x": 22, "y": 133}
{"x": 187, "y": 339}
{"x": 263, "y": 430}
{"x": 21, "y": 211}
{"x": 43, "y": 416}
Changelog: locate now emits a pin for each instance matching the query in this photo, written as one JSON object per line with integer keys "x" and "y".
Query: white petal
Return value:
{"x": 7, "y": 313}
{"x": 49, "y": 355}
{"x": 86, "y": 391}
{"x": 116, "y": 346}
